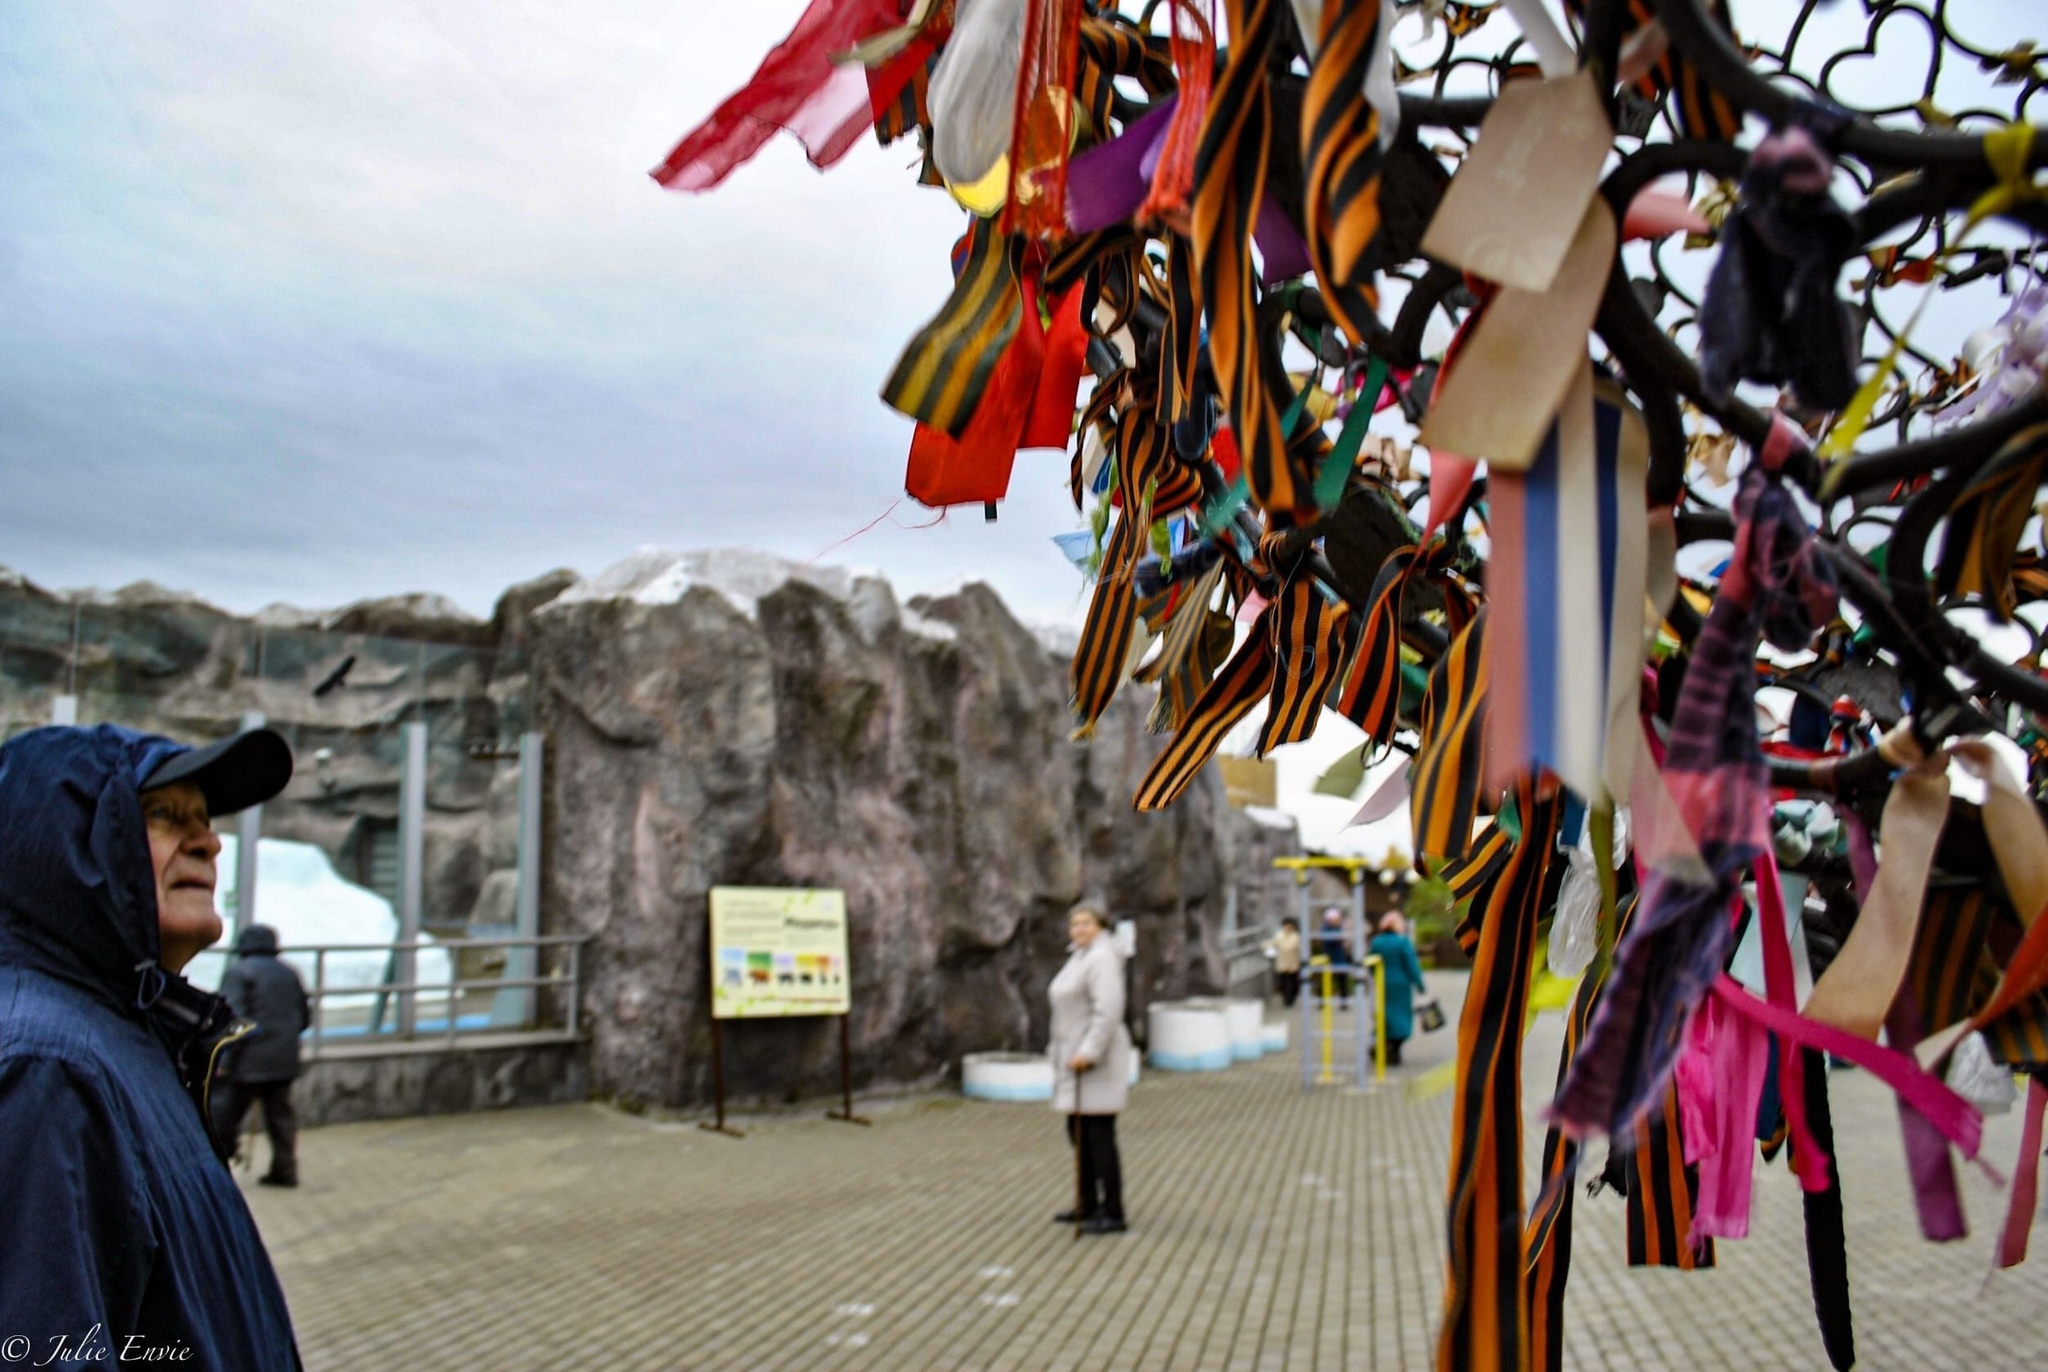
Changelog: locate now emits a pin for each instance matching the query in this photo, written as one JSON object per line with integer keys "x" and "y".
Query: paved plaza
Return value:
{"x": 1271, "y": 1229}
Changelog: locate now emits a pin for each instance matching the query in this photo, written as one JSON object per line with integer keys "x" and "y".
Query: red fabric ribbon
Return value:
{"x": 1029, "y": 403}
{"x": 1042, "y": 130}
{"x": 1192, "y": 41}
{"x": 798, "y": 87}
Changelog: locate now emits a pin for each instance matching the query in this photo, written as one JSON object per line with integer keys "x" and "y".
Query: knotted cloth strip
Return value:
{"x": 1776, "y": 586}
{"x": 946, "y": 366}
{"x": 1857, "y": 990}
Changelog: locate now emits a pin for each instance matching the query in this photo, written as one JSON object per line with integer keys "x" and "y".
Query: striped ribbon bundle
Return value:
{"x": 1290, "y": 659}
{"x": 1152, "y": 482}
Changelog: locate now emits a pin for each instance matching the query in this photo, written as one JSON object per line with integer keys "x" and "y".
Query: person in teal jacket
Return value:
{"x": 1401, "y": 970}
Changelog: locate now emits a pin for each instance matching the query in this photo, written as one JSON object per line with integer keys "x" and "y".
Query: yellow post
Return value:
{"x": 1379, "y": 1018}
{"x": 1327, "y": 1075}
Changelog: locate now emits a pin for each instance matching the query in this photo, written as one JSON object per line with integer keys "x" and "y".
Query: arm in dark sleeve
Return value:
{"x": 239, "y": 989}
{"x": 75, "y": 1243}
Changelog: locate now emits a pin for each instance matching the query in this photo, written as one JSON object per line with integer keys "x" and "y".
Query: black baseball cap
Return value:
{"x": 232, "y": 774}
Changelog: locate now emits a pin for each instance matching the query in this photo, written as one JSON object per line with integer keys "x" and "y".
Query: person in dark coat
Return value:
{"x": 1333, "y": 945}
{"x": 263, "y": 1066}
{"x": 123, "y": 1237}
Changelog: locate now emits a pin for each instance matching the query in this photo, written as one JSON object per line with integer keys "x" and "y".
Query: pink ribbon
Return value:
{"x": 2019, "y": 1212}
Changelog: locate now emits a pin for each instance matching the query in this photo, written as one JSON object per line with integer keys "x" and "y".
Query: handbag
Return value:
{"x": 1432, "y": 1016}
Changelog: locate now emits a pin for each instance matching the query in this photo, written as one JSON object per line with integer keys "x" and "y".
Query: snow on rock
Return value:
{"x": 659, "y": 576}
{"x": 278, "y": 615}
{"x": 1060, "y": 639}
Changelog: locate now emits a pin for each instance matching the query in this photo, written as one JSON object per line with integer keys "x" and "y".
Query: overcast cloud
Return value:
{"x": 326, "y": 300}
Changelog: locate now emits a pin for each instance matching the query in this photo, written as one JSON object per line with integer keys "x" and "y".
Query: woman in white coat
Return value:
{"x": 1091, "y": 1061}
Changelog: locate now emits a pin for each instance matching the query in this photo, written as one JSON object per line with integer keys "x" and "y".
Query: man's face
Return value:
{"x": 182, "y": 847}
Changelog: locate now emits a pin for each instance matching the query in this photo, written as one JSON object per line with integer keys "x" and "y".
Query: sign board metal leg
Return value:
{"x": 845, "y": 1112}
{"x": 718, "y": 1083}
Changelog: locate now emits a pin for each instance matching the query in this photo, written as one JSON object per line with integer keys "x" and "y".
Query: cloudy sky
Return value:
{"x": 341, "y": 298}
{"x": 352, "y": 297}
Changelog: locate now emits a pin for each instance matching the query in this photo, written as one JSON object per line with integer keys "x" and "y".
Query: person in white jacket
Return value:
{"x": 1091, "y": 1062}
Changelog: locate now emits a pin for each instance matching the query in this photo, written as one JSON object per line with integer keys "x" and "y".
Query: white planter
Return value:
{"x": 1247, "y": 1023}
{"x": 1006, "y": 1076}
{"x": 1275, "y": 1037}
{"x": 1188, "y": 1037}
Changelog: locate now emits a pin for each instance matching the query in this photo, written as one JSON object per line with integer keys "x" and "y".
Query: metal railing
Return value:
{"x": 1244, "y": 957}
{"x": 353, "y": 1018}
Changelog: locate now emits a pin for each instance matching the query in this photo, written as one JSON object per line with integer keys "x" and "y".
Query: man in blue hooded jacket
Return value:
{"x": 123, "y": 1238}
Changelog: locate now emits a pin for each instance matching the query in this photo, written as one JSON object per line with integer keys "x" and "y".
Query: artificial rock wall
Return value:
{"x": 918, "y": 758}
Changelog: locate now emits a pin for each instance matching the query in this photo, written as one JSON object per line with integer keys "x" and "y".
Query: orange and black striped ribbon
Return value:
{"x": 1181, "y": 349}
{"x": 1151, "y": 483}
{"x": 1450, "y": 766}
{"x": 1486, "y": 1299}
{"x": 1230, "y": 179}
{"x": 1187, "y": 643}
{"x": 1662, "y": 1194}
{"x": 1984, "y": 525}
{"x": 1308, "y": 651}
{"x": 1291, "y": 657}
{"x": 1372, "y": 691}
{"x": 1470, "y": 871}
{"x": 1701, "y": 111}
{"x": 1112, "y": 46}
{"x": 1955, "y": 967}
{"x": 1244, "y": 681}
{"x": 1070, "y": 262}
{"x": 1182, "y": 685}
{"x": 1340, "y": 155}
{"x": 940, "y": 378}
{"x": 1105, "y": 642}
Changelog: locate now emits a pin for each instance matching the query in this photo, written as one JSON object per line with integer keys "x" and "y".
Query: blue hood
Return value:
{"x": 77, "y": 891}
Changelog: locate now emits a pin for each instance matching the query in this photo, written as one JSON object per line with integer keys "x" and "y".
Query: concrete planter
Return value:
{"x": 1013, "y": 1076}
{"x": 1247, "y": 1019}
{"x": 1006, "y": 1076}
{"x": 1187, "y": 1036}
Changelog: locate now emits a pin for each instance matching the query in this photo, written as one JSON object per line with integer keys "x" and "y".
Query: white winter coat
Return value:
{"x": 1088, "y": 1019}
